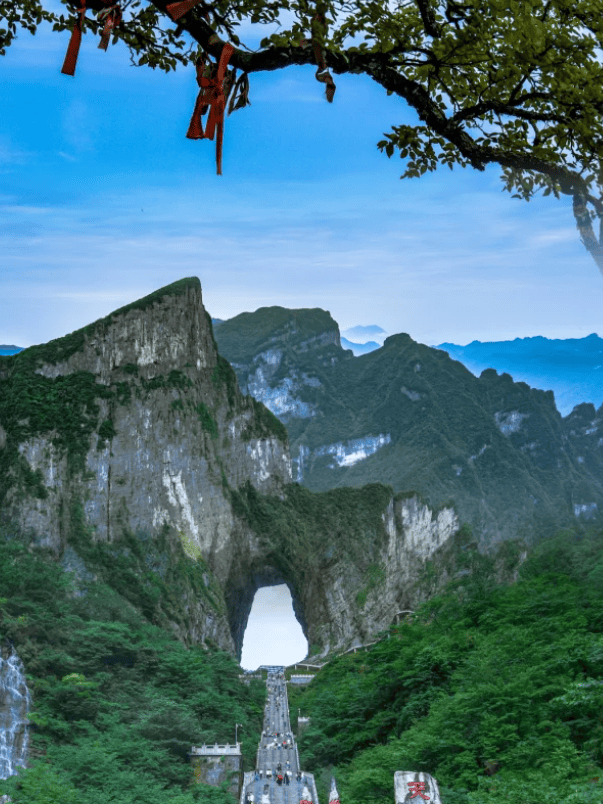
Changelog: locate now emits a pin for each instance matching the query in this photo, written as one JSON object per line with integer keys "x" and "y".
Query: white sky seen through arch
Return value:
{"x": 273, "y": 636}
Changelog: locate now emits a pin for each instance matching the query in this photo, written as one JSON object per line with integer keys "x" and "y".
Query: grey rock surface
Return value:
{"x": 147, "y": 456}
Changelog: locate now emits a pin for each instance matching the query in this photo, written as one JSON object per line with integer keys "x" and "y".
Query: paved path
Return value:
{"x": 277, "y": 757}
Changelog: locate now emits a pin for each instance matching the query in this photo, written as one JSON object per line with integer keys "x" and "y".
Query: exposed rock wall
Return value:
{"x": 168, "y": 432}
{"x": 132, "y": 434}
{"x": 360, "y": 602}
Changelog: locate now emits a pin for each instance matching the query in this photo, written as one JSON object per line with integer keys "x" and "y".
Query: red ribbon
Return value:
{"x": 177, "y": 10}
{"x": 112, "y": 16}
{"x": 212, "y": 94}
{"x": 74, "y": 42}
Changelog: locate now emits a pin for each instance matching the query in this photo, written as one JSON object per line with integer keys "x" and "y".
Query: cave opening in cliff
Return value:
{"x": 273, "y": 635}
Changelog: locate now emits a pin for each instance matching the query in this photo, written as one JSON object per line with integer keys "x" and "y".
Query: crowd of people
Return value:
{"x": 277, "y": 778}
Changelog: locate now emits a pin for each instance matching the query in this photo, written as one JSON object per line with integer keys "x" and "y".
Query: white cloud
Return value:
{"x": 542, "y": 239}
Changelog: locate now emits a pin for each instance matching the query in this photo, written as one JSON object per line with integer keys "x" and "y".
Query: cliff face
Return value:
{"x": 409, "y": 416}
{"x": 128, "y": 451}
{"x": 135, "y": 425}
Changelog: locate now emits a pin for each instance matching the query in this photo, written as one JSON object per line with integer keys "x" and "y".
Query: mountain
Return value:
{"x": 9, "y": 350}
{"x": 409, "y": 416}
{"x": 359, "y": 348}
{"x": 129, "y": 456}
{"x": 571, "y": 368}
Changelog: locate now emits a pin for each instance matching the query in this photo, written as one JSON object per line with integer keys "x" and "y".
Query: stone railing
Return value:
{"x": 301, "y": 679}
{"x": 215, "y": 750}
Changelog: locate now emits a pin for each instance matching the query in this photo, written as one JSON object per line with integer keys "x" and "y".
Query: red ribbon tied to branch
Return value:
{"x": 212, "y": 94}
{"x": 112, "y": 17}
{"x": 177, "y": 10}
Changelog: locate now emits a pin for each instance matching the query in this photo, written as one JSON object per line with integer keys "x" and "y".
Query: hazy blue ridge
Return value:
{"x": 10, "y": 350}
{"x": 359, "y": 348}
{"x": 571, "y": 368}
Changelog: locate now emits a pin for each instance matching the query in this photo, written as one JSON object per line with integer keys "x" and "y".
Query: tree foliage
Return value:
{"x": 498, "y": 694}
{"x": 492, "y": 81}
{"x": 117, "y": 703}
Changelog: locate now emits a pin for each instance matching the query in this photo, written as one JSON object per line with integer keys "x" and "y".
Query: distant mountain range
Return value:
{"x": 362, "y": 340}
{"x": 360, "y": 348}
{"x": 571, "y": 368}
{"x": 410, "y": 416}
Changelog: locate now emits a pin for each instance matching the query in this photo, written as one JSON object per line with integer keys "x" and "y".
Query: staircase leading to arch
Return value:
{"x": 278, "y": 778}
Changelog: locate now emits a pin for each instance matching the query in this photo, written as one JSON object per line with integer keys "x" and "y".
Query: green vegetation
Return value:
{"x": 64, "y": 409}
{"x": 117, "y": 702}
{"x": 445, "y": 440}
{"x": 264, "y": 424}
{"x": 223, "y": 374}
{"x": 135, "y": 567}
{"x": 62, "y": 349}
{"x": 106, "y": 431}
{"x": 31, "y": 405}
{"x": 304, "y": 530}
{"x": 496, "y": 691}
{"x": 249, "y": 333}
{"x": 175, "y": 379}
{"x": 375, "y": 576}
{"x": 207, "y": 421}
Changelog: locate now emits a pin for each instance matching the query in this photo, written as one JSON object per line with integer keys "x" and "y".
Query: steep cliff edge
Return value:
{"x": 128, "y": 452}
{"x": 132, "y": 428}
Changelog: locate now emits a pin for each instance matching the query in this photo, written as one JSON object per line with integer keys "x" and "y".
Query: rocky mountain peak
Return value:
{"x": 131, "y": 425}
{"x": 278, "y": 328}
{"x": 165, "y": 331}
{"x": 129, "y": 453}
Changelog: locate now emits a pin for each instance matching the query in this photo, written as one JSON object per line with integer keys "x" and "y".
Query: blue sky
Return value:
{"x": 103, "y": 200}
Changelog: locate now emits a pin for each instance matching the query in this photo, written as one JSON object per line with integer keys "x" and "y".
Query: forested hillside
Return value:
{"x": 118, "y": 702}
{"x": 409, "y": 416}
{"x": 494, "y": 690}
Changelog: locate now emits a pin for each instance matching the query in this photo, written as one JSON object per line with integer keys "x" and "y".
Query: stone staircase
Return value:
{"x": 278, "y": 778}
